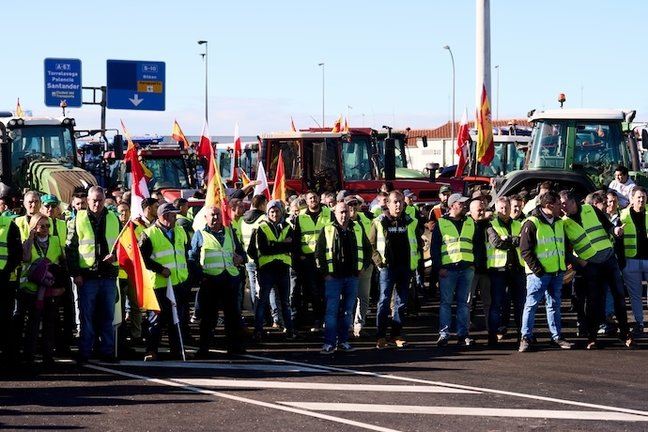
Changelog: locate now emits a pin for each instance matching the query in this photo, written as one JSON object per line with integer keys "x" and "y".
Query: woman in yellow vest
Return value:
{"x": 214, "y": 258}
{"x": 40, "y": 300}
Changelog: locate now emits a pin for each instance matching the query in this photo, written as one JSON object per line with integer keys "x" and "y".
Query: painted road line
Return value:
{"x": 275, "y": 406}
{"x": 456, "y": 386}
{"x": 468, "y": 411}
{"x": 263, "y": 367}
{"x": 291, "y": 385}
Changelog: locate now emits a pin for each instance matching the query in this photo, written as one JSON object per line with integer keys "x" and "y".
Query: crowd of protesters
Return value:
{"x": 314, "y": 265}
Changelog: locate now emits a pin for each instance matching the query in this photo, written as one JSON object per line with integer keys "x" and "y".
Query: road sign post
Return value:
{"x": 63, "y": 82}
{"x": 135, "y": 85}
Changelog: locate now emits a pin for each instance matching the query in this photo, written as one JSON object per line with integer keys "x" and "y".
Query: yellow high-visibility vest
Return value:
{"x": 455, "y": 246}
{"x": 171, "y": 256}
{"x": 550, "y": 245}
{"x": 496, "y": 258}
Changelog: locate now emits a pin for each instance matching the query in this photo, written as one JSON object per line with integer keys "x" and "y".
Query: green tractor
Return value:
{"x": 40, "y": 153}
{"x": 576, "y": 149}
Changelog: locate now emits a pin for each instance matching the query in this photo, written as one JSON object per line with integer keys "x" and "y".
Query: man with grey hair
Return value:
{"x": 94, "y": 267}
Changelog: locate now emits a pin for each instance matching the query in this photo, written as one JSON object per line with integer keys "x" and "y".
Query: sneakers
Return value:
{"x": 345, "y": 347}
{"x": 442, "y": 341}
{"x": 381, "y": 343}
{"x": 525, "y": 345}
{"x": 592, "y": 345}
{"x": 630, "y": 343}
{"x": 357, "y": 328}
{"x": 327, "y": 349}
{"x": 150, "y": 356}
{"x": 562, "y": 343}
{"x": 399, "y": 342}
{"x": 466, "y": 341}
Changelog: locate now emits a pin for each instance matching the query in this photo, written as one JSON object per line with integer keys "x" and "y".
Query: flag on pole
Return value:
{"x": 139, "y": 188}
{"x": 346, "y": 125}
{"x": 237, "y": 153}
{"x": 262, "y": 188}
{"x": 279, "y": 188}
{"x": 463, "y": 144}
{"x": 179, "y": 136}
{"x": 130, "y": 259}
{"x": 174, "y": 306}
{"x": 337, "y": 126}
{"x": 205, "y": 148}
{"x": 485, "y": 145}
{"x": 19, "y": 111}
{"x": 216, "y": 195}
{"x": 244, "y": 177}
{"x": 292, "y": 125}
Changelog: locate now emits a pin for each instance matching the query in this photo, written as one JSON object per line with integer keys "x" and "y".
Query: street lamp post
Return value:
{"x": 497, "y": 106}
{"x": 452, "y": 129}
{"x": 205, "y": 58}
{"x": 323, "y": 106}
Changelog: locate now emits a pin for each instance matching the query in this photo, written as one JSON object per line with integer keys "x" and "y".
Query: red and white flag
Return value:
{"x": 205, "y": 148}
{"x": 237, "y": 154}
{"x": 262, "y": 188}
{"x": 139, "y": 188}
{"x": 463, "y": 144}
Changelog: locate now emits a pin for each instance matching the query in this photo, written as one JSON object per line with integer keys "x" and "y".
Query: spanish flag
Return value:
{"x": 244, "y": 177}
{"x": 130, "y": 259}
{"x": 485, "y": 145}
{"x": 178, "y": 135}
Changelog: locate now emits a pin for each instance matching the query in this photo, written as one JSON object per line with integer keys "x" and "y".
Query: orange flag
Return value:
{"x": 337, "y": 126}
{"x": 130, "y": 259}
{"x": 216, "y": 196}
{"x": 19, "y": 111}
{"x": 244, "y": 177}
{"x": 346, "y": 125}
{"x": 178, "y": 135}
{"x": 139, "y": 188}
{"x": 279, "y": 189}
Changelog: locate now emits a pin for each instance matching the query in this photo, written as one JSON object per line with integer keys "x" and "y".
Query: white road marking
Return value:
{"x": 456, "y": 386}
{"x": 291, "y": 385}
{"x": 233, "y": 366}
{"x": 468, "y": 411}
{"x": 244, "y": 400}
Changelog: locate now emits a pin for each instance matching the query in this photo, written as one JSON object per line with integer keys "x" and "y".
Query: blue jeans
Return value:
{"x": 390, "y": 278}
{"x": 277, "y": 275}
{"x": 455, "y": 285}
{"x": 96, "y": 313}
{"x": 548, "y": 286}
{"x": 636, "y": 271}
{"x": 339, "y": 313}
{"x": 251, "y": 270}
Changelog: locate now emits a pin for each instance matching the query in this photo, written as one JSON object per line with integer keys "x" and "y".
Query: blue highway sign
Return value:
{"x": 135, "y": 85}
{"x": 63, "y": 82}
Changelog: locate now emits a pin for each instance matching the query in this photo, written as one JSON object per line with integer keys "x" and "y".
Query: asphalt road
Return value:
{"x": 280, "y": 386}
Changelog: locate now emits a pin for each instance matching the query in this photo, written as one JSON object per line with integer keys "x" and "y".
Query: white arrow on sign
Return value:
{"x": 136, "y": 100}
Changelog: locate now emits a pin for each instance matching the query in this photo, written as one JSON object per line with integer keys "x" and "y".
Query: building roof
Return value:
{"x": 445, "y": 131}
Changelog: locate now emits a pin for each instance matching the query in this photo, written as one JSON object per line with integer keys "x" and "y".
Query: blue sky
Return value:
{"x": 384, "y": 59}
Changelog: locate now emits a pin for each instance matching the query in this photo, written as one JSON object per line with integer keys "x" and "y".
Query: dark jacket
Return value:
{"x": 529, "y": 240}
{"x": 509, "y": 244}
{"x": 146, "y": 248}
{"x": 396, "y": 242}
